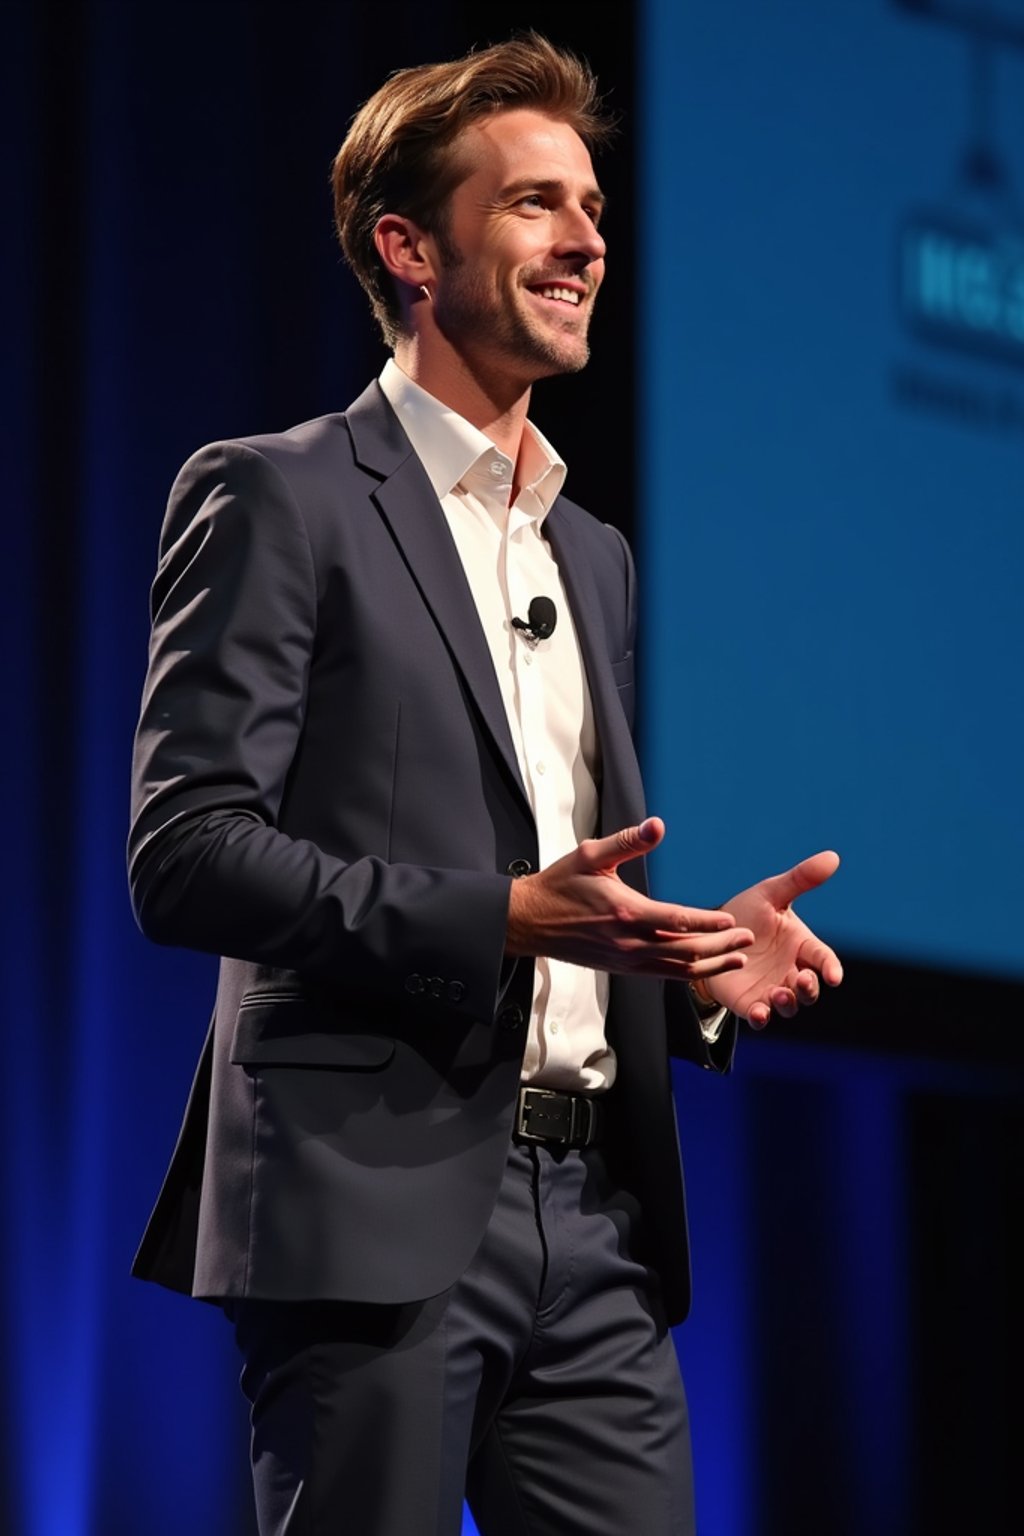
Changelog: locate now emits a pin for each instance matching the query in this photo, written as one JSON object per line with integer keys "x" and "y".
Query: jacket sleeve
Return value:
{"x": 234, "y": 610}
{"x": 687, "y": 1039}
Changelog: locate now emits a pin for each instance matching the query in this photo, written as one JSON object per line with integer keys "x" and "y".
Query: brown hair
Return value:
{"x": 396, "y": 156}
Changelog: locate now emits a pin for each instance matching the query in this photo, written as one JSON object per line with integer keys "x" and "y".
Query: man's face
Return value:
{"x": 521, "y": 257}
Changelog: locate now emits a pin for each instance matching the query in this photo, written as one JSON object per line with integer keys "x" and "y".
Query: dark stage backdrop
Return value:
{"x": 170, "y": 277}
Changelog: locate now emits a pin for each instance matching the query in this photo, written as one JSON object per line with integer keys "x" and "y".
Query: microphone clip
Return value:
{"x": 540, "y": 621}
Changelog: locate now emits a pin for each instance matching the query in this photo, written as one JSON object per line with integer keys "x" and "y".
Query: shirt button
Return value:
{"x": 554, "y": 1029}
{"x": 497, "y": 468}
{"x": 541, "y": 766}
{"x": 528, "y": 658}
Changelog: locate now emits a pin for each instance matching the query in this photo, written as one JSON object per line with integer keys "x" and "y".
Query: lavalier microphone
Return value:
{"x": 540, "y": 621}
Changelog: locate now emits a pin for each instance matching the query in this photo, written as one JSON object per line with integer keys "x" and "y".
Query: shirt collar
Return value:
{"x": 451, "y": 449}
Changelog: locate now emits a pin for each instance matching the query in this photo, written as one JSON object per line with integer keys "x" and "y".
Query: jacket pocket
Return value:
{"x": 622, "y": 671}
{"x": 292, "y": 1031}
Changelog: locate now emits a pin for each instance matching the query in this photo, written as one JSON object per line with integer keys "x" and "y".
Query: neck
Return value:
{"x": 483, "y": 396}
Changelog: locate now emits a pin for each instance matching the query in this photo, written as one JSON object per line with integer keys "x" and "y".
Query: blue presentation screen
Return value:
{"x": 831, "y": 227}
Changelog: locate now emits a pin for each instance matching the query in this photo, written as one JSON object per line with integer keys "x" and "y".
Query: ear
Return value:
{"x": 407, "y": 251}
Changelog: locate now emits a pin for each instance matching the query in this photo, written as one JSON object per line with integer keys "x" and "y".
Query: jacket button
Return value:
{"x": 435, "y": 985}
{"x": 518, "y": 868}
{"x": 414, "y": 984}
{"x": 510, "y": 1017}
{"x": 456, "y": 991}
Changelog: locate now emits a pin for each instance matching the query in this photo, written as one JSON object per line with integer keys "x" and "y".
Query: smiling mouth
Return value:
{"x": 556, "y": 293}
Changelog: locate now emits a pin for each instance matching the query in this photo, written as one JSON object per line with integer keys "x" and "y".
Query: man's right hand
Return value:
{"x": 578, "y": 910}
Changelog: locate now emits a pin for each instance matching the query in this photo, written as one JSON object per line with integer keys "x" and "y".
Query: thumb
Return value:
{"x": 782, "y": 890}
{"x": 603, "y": 853}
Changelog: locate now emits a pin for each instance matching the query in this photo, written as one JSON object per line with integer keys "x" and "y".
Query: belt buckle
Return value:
{"x": 521, "y": 1111}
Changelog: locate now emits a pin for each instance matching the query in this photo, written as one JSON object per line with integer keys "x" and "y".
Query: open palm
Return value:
{"x": 786, "y": 960}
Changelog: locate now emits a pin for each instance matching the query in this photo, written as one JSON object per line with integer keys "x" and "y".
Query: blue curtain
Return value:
{"x": 157, "y": 296}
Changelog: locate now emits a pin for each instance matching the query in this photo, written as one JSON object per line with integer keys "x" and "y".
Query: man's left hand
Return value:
{"x": 786, "y": 962}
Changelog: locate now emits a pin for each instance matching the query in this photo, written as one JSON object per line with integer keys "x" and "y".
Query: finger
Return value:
{"x": 784, "y": 1003}
{"x": 676, "y": 968}
{"x": 780, "y": 999}
{"x": 714, "y": 965}
{"x": 705, "y": 946}
{"x": 701, "y": 920}
{"x": 805, "y": 988}
{"x": 782, "y": 890}
{"x": 665, "y": 920}
{"x": 601, "y": 853}
{"x": 819, "y": 957}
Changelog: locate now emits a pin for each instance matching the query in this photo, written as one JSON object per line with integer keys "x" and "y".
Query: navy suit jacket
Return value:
{"x": 326, "y": 794}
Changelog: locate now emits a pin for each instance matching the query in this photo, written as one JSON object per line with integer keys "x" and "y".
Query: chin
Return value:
{"x": 570, "y": 362}
{"x": 559, "y": 356}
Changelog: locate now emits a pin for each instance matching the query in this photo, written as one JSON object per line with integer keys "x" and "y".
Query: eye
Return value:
{"x": 592, "y": 213}
{"x": 532, "y": 200}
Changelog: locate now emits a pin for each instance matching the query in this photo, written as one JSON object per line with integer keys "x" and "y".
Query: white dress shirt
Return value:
{"x": 507, "y": 562}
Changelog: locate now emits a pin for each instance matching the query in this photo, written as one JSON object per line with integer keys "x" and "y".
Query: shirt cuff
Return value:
{"x": 711, "y": 1027}
{"x": 710, "y": 1016}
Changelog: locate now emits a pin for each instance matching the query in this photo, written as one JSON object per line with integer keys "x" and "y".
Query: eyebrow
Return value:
{"x": 552, "y": 185}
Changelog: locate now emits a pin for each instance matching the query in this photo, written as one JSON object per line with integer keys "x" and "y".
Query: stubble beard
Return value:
{"x": 470, "y": 319}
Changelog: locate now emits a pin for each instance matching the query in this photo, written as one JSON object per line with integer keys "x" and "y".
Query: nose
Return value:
{"x": 579, "y": 235}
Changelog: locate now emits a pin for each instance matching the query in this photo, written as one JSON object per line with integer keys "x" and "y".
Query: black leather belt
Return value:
{"x": 570, "y": 1119}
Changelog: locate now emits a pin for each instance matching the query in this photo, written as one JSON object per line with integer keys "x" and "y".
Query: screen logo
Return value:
{"x": 963, "y": 287}
{"x": 960, "y": 259}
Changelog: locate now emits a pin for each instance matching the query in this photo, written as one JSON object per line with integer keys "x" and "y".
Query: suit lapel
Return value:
{"x": 406, "y": 500}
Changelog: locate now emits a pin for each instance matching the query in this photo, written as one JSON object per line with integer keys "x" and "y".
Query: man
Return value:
{"x": 429, "y": 1163}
